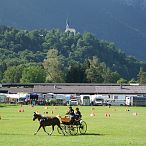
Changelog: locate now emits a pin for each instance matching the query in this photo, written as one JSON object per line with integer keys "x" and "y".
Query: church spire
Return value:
{"x": 67, "y": 24}
{"x": 68, "y": 29}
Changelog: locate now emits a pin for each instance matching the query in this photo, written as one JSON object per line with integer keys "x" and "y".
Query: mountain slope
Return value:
{"x": 120, "y": 21}
{"x": 19, "y": 47}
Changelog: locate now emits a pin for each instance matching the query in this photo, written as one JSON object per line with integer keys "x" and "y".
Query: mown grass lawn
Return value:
{"x": 122, "y": 128}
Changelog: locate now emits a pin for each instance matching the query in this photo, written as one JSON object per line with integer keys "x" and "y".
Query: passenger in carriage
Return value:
{"x": 78, "y": 114}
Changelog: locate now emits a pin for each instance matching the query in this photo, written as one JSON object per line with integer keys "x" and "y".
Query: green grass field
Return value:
{"x": 122, "y": 128}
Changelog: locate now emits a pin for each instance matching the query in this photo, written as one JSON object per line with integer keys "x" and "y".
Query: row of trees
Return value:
{"x": 53, "y": 70}
{"x": 56, "y": 56}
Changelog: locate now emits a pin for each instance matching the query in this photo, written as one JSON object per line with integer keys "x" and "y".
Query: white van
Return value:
{"x": 97, "y": 100}
{"x": 85, "y": 99}
{"x": 116, "y": 102}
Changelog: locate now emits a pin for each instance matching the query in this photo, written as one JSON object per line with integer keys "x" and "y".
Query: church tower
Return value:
{"x": 67, "y": 24}
{"x": 68, "y": 29}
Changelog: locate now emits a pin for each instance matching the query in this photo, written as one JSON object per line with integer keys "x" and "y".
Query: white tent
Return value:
{"x": 14, "y": 96}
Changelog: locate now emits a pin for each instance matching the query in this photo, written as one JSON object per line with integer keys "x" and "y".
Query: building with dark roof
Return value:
{"x": 74, "y": 88}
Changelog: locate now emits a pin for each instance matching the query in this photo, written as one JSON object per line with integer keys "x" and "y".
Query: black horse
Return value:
{"x": 46, "y": 121}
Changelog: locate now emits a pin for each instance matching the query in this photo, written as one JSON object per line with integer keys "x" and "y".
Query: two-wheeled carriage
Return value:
{"x": 72, "y": 128}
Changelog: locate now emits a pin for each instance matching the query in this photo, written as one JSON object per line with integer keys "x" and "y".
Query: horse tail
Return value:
{"x": 58, "y": 116}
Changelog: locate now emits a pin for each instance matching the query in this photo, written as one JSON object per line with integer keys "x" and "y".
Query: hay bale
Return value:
{"x": 135, "y": 114}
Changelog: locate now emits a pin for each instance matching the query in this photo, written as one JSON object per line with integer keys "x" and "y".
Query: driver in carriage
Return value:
{"x": 74, "y": 116}
{"x": 71, "y": 114}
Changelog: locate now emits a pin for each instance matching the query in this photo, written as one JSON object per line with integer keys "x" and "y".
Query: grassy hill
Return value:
{"x": 122, "y": 21}
{"x": 19, "y": 47}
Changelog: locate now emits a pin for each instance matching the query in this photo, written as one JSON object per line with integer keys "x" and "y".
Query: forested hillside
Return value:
{"x": 120, "y": 21}
{"x": 56, "y": 56}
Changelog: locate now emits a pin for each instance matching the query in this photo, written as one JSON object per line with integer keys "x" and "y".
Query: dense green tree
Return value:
{"x": 3, "y": 67}
{"x": 75, "y": 74}
{"x": 1, "y": 76}
{"x": 132, "y": 81}
{"x": 141, "y": 76}
{"x": 12, "y": 74}
{"x": 122, "y": 81}
{"x": 94, "y": 71}
{"x": 54, "y": 67}
{"x": 74, "y": 55}
{"x": 99, "y": 72}
{"x": 33, "y": 74}
{"x": 109, "y": 76}
{"x": 52, "y": 39}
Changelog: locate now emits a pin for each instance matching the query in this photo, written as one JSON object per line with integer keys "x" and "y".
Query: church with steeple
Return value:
{"x": 68, "y": 29}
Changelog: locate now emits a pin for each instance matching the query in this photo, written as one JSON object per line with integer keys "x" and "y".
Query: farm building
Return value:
{"x": 114, "y": 94}
{"x": 74, "y": 88}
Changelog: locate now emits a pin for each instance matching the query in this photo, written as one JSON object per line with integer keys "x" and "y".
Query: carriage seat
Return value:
{"x": 65, "y": 120}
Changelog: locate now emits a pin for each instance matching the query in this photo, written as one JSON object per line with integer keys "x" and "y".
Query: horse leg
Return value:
{"x": 52, "y": 130}
{"x": 37, "y": 130}
{"x": 45, "y": 130}
{"x": 61, "y": 129}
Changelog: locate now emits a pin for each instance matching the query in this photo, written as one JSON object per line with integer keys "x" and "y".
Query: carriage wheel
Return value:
{"x": 73, "y": 129}
{"x": 59, "y": 130}
{"x": 83, "y": 127}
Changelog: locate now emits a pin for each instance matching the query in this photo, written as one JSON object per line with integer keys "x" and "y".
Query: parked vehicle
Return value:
{"x": 22, "y": 98}
{"x": 50, "y": 99}
{"x": 3, "y": 98}
{"x": 60, "y": 99}
{"x": 136, "y": 100}
{"x": 72, "y": 99}
{"x": 116, "y": 102}
{"x": 55, "y": 99}
{"x": 85, "y": 99}
{"x": 97, "y": 100}
{"x": 118, "y": 97}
